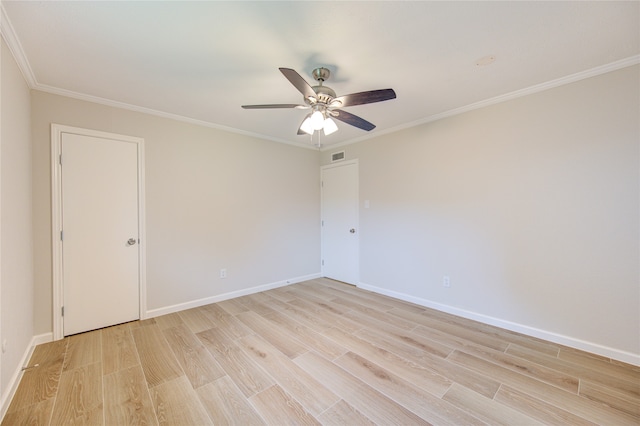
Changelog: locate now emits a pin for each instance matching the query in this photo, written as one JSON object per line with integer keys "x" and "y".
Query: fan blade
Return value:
{"x": 354, "y": 120}
{"x": 299, "y": 82}
{"x": 272, "y": 106}
{"x": 364, "y": 98}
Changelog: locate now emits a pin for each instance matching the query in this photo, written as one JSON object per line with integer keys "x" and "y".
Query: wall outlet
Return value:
{"x": 223, "y": 273}
{"x": 446, "y": 282}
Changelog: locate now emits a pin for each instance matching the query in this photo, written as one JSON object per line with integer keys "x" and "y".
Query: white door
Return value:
{"x": 100, "y": 238}
{"x": 340, "y": 247}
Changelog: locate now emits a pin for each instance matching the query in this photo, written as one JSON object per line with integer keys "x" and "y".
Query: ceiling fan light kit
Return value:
{"x": 318, "y": 121}
{"x": 326, "y": 104}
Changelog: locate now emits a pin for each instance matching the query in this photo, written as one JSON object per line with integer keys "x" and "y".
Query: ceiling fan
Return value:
{"x": 325, "y": 105}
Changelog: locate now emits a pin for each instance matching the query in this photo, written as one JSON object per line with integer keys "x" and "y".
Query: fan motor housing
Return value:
{"x": 324, "y": 95}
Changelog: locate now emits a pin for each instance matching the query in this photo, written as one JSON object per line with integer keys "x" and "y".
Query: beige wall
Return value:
{"x": 530, "y": 206}
{"x": 16, "y": 261}
{"x": 213, "y": 200}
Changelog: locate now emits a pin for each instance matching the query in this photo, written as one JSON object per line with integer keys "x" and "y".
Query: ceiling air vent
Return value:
{"x": 337, "y": 156}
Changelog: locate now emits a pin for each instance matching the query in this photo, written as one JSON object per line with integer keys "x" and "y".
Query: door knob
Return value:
{"x": 131, "y": 241}
{"x": 352, "y": 230}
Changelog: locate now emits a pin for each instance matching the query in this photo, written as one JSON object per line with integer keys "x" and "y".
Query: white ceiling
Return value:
{"x": 201, "y": 61}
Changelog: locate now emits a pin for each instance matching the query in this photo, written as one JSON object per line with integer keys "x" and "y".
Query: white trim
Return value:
{"x": 340, "y": 163}
{"x": 12, "y": 385}
{"x": 163, "y": 114}
{"x": 7, "y": 31}
{"x": 226, "y": 296}
{"x": 595, "y": 348}
{"x": 56, "y": 218}
{"x": 572, "y": 78}
{"x": 10, "y": 37}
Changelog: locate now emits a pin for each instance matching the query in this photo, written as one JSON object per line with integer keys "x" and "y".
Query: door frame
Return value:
{"x": 356, "y": 163}
{"x": 56, "y": 219}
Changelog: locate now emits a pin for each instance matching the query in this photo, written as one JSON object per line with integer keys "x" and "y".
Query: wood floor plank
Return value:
{"x": 360, "y": 296}
{"x": 260, "y": 303}
{"x": 427, "y": 406}
{"x": 527, "y": 368}
{"x": 273, "y": 334}
{"x": 118, "y": 349}
{"x": 309, "y": 319}
{"x": 222, "y": 319}
{"x": 632, "y": 368}
{"x": 49, "y": 353}
{"x": 226, "y": 404}
{"x": 488, "y": 410}
{"x": 176, "y": 403}
{"x": 420, "y": 375}
{"x": 40, "y": 382}
{"x": 610, "y": 397}
{"x": 126, "y": 398}
{"x": 196, "y": 362}
{"x": 365, "y": 313}
{"x": 320, "y": 351}
{"x": 620, "y": 382}
{"x": 248, "y": 376}
{"x": 232, "y": 306}
{"x": 308, "y": 296}
{"x": 358, "y": 394}
{"x": 533, "y": 407}
{"x": 142, "y": 323}
{"x": 452, "y": 330}
{"x": 157, "y": 360}
{"x": 495, "y": 332}
{"x": 479, "y": 383}
{"x": 366, "y": 297}
{"x": 167, "y": 321}
{"x": 602, "y": 365}
{"x": 196, "y": 320}
{"x": 342, "y": 413}
{"x": 334, "y": 318}
{"x": 38, "y": 414}
{"x": 278, "y": 408}
{"x": 575, "y": 404}
{"x": 83, "y": 349}
{"x": 79, "y": 399}
{"x": 404, "y": 343}
{"x": 282, "y": 294}
{"x": 309, "y": 288}
{"x": 295, "y": 381}
{"x": 310, "y": 338}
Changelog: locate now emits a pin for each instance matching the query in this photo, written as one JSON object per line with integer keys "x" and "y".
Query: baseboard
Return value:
{"x": 225, "y": 296}
{"x": 17, "y": 374}
{"x": 627, "y": 357}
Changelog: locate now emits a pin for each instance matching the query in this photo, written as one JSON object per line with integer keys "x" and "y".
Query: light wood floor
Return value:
{"x": 319, "y": 352}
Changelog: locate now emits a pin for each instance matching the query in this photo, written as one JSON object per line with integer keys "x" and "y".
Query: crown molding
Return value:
{"x": 122, "y": 105}
{"x": 10, "y": 37}
{"x": 572, "y": 78}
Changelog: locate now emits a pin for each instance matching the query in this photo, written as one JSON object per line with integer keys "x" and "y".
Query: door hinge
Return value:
{"x": 60, "y": 159}
{"x": 322, "y": 223}
{"x": 63, "y": 311}
{"x": 322, "y": 262}
{"x": 61, "y": 235}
